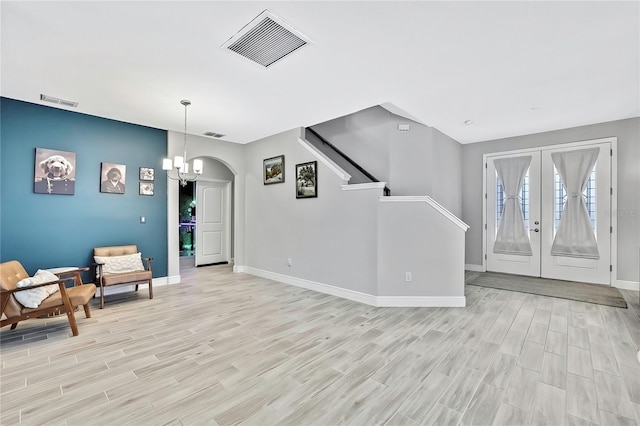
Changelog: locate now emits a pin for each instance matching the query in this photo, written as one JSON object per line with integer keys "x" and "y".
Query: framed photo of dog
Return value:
{"x": 54, "y": 172}
{"x": 112, "y": 178}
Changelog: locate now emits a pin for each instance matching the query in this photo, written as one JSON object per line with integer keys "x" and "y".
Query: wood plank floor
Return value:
{"x": 224, "y": 349}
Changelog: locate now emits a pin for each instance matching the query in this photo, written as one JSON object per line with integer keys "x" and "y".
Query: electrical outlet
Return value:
{"x": 288, "y": 261}
{"x": 407, "y": 276}
{"x": 143, "y": 219}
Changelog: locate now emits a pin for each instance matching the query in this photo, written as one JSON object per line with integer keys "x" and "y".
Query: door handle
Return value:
{"x": 536, "y": 223}
{"x": 534, "y": 230}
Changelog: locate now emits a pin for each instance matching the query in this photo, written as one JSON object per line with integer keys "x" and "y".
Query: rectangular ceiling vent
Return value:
{"x": 266, "y": 40}
{"x": 213, "y": 134}
{"x": 58, "y": 101}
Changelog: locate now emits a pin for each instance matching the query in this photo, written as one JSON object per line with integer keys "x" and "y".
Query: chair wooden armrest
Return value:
{"x": 73, "y": 274}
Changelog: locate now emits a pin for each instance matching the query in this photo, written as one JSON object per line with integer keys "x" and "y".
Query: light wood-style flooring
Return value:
{"x": 224, "y": 348}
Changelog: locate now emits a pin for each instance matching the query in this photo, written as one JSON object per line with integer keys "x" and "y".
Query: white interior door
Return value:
{"x": 543, "y": 196}
{"x": 212, "y": 222}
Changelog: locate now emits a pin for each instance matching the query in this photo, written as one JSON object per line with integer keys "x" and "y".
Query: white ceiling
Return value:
{"x": 512, "y": 67}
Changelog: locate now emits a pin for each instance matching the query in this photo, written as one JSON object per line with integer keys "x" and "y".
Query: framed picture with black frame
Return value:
{"x": 307, "y": 180}
{"x": 273, "y": 170}
{"x": 146, "y": 188}
{"x": 147, "y": 173}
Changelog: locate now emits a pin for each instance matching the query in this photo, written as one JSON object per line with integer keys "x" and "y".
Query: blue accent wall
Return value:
{"x": 47, "y": 230}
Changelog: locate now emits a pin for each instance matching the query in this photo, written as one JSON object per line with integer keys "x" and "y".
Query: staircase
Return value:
{"x": 357, "y": 172}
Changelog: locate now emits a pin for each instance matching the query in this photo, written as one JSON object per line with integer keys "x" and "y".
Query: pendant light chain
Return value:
{"x": 186, "y": 103}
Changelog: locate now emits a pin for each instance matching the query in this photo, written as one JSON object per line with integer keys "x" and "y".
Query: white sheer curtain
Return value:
{"x": 575, "y": 236}
{"x": 512, "y": 236}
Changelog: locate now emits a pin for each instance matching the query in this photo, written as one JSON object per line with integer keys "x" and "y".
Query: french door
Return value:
{"x": 547, "y": 212}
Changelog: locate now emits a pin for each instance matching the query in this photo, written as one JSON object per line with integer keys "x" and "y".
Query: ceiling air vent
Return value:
{"x": 213, "y": 134}
{"x": 266, "y": 40}
{"x": 58, "y": 101}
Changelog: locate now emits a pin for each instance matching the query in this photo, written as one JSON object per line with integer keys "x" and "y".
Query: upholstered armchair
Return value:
{"x": 23, "y": 297}
{"x": 116, "y": 265}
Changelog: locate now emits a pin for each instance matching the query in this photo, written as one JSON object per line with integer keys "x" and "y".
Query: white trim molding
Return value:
{"x": 474, "y": 268}
{"x": 342, "y": 174}
{"x": 627, "y": 285}
{"x": 364, "y": 186}
{"x": 430, "y": 201}
{"x": 356, "y": 296}
{"x": 421, "y": 301}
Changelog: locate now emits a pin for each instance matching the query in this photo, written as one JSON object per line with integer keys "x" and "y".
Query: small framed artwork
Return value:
{"x": 147, "y": 173}
{"x": 273, "y": 170}
{"x": 307, "y": 180}
{"x": 112, "y": 178}
{"x": 146, "y": 188}
{"x": 55, "y": 172}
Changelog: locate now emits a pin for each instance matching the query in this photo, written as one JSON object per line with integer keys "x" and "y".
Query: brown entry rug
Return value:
{"x": 583, "y": 292}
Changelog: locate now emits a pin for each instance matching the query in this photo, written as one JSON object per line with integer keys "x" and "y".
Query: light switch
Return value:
{"x": 143, "y": 219}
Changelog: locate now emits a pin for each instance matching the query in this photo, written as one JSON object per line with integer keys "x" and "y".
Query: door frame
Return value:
{"x": 227, "y": 210}
{"x": 614, "y": 195}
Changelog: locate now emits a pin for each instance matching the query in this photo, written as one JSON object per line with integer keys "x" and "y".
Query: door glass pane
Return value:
{"x": 524, "y": 200}
{"x": 589, "y": 195}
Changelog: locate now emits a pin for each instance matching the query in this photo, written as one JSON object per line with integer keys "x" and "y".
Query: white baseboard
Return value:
{"x": 474, "y": 268}
{"x": 422, "y": 301}
{"x": 627, "y": 285}
{"x": 356, "y": 296}
{"x": 157, "y": 282}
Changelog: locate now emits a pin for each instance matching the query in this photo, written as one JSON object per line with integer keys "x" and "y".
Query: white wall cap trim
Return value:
{"x": 431, "y": 202}
{"x": 325, "y": 160}
{"x": 363, "y": 186}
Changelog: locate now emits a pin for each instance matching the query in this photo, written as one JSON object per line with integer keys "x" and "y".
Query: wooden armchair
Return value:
{"x": 65, "y": 300}
{"x": 117, "y": 265}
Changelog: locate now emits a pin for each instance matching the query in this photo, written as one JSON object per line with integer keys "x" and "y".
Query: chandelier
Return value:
{"x": 180, "y": 163}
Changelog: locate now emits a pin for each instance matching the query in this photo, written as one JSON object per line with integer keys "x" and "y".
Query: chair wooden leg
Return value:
{"x": 150, "y": 290}
{"x": 101, "y": 297}
{"x": 69, "y": 309}
{"x": 14, "y": 325}
{"x": 136, "y": 287}
{"x": 72, "y": 322}
{"x": 87, "y": 310}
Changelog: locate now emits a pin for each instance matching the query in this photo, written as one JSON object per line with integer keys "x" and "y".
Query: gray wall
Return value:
{"x": 214, "y": 169}
{"x": 422, "y": 161}
{"x": 330, "y": 239}
{"x": 628, "y": 209}
{"x": 414, "y": 237}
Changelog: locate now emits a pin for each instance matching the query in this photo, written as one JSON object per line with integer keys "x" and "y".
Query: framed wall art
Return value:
{"x": 112, "y": 178}
{"x": 54, "y": 172}
{"x": 147, "y": 173}
{"x": 273, "y": 170}
{"x": 307, "y": 180}
{"x": 146, "y": 188}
